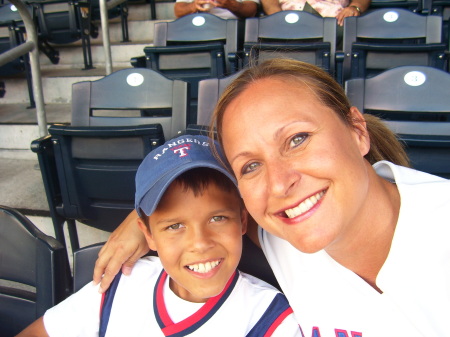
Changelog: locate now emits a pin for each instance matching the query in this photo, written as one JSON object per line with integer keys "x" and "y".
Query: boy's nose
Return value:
{"x": 200, "y": 240}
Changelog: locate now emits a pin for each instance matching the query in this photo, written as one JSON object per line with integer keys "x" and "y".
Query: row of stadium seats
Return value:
{"x": 200, "y": 46}
{"x": 88, "y": 167}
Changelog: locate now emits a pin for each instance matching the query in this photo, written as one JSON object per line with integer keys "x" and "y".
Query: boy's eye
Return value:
{"x": 218, "y": 218}
{"x": 298, "y": 139}
{"x": 175, "y": 226}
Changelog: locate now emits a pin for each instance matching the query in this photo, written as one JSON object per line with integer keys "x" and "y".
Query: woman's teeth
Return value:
{"x": 203, "y": 268}
{"x": 304, "y": 206}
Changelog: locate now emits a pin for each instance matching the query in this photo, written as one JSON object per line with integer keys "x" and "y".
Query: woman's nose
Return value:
{"x": 281, "y": 177}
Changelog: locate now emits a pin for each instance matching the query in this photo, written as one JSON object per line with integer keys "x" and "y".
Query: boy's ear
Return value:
{"x": 244, "y": 220}
{"x": 148, "y": 235}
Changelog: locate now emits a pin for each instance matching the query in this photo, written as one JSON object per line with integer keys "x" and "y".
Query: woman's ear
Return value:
{"x": 244, "y": 220}
{"x": 148, "y": 235}
{"x": 361, "y": 133}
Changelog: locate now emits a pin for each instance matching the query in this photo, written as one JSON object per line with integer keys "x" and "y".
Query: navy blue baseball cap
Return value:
{"x": 164, "y": 164}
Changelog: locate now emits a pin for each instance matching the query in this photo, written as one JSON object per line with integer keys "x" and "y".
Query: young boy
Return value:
{"x": 193, "y": 216}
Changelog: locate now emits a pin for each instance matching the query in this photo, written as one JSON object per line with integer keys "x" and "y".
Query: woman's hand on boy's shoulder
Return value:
{"x": 124, "y": 247}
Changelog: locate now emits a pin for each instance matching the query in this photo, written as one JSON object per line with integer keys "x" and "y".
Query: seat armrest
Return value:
{"x": 138, "y": 62}
{"x": 41, "y": 144}
{"x": 339, "y": 67}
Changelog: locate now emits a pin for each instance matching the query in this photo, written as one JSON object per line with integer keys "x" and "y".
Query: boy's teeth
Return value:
{"x": 304, "y": 206}
{"x": 204, "y": 267}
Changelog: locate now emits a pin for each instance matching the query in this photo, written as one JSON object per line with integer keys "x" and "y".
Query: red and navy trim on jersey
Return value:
{"x": 195, "y": 321}
{"x": 106, "y": 305}
{"x": 274, "y": 315}
{"x": 277, "y": 311}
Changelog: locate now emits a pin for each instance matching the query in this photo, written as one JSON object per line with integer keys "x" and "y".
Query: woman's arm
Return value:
{"x": 124, "y": 247}
{"x": 35, "y": 329}
{"x": 270, "y": 6}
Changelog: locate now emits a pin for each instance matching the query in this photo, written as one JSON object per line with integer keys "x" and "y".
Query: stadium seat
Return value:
{"x": 387, "y": 38}
{"x": 192, "y": 48}
{"x": 61, "y": 22}
{"x": 120, "y": 10}
{"x": 411, "y": 5}
{"x": 440, "y": 8}
{"x": 437, "y": 7}
{"x": 83, "y": 264}
{"x": 294, "y": 34}
{"x": 88, "y": 173}
{"x": 209, "y": 92}
{"x": 132, "y": 96}
{"x": 415, "y": 102}
{"x": 34, "y": 272}
{"x": 12, "y": 34}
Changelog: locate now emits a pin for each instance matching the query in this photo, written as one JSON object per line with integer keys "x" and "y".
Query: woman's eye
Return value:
{"x": 298, "y": 139}
{"x": 250, "y": 167}
{"x": 174, "y": 226}
{"x": 218, "y": 218}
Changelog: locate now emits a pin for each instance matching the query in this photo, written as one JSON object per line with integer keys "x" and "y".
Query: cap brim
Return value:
{"x": 150, "y": 200}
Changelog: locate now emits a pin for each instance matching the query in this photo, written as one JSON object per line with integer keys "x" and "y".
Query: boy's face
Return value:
{"x": 198, "y": 239}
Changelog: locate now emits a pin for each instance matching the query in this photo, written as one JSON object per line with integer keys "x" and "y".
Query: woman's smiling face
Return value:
{"x": 300, "y": 169}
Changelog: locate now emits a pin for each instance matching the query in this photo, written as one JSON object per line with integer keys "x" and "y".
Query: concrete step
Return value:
{"x": 18, "y": 127}
{"x": 57, "y": 79}
{"x": 139, "y": 31}
{"x": 56, "y": 84}
{"x": 72, "y": 57}
{"x": 140, "y": 24}
{"x": 164, "y": 11}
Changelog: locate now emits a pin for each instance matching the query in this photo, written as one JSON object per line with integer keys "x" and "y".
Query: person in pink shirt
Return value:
{"x": 340, "y": 9}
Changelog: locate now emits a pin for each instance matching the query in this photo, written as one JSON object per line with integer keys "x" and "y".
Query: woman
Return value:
{"x": 346, "y": 240}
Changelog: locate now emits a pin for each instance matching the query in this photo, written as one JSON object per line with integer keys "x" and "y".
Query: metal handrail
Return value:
{"x": 30, "y": 46}
{"x": 104, "y": 6}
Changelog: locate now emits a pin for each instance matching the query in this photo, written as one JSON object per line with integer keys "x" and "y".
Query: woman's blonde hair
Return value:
{"x": 384, "y": 144}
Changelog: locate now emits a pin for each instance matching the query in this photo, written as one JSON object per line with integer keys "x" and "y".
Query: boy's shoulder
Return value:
{"x": 147, "y": 267}
{"x": 256, "y": 285}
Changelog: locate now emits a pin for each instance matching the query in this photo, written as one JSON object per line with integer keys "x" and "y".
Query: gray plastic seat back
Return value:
{"x": 201, "y": 28}
{"x": 209, "y": 92}
{"x": 294, "y": 34}
{"x": 134, "y": 96}
{"x": 34, "y": 272}
{"x": 391, "y": 37}
{"x": 415, "y": 102}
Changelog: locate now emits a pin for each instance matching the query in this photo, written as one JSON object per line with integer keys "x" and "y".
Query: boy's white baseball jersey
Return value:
{"x": 139, "y": 305}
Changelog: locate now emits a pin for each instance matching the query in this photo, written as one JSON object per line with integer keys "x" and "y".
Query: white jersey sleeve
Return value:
{"x": 77, "y": 316}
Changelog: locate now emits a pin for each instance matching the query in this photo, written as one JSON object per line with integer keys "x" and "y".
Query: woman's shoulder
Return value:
{"x": 405, "y": 175}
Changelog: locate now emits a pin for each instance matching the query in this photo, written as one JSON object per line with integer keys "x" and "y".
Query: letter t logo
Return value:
{"x": 182, "y": 150}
